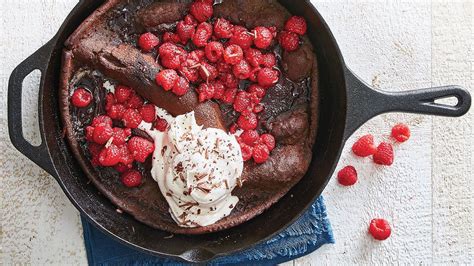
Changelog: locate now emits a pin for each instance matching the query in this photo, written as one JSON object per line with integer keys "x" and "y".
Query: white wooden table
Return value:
{"x": 395, "y": 45}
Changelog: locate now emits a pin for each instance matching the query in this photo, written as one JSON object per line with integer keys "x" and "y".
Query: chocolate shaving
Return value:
{"x": 179, "y": 168}
{"x": 205, "y": 190}
{"x": 189, "y": 204}
{"x": 200, "y": 176}
{"x": 163, "y": 150}
{"x": 226, "y": 184}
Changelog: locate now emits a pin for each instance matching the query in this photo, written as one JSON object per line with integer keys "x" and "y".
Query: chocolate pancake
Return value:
{"x": 103, "y": 49}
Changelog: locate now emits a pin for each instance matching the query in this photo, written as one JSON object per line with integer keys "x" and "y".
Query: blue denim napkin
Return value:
{"x": 307, "y": 234}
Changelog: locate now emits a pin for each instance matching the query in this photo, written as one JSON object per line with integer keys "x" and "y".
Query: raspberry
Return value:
{"x": 384, "y": 154}
{"x": 125, "y": 156}
{"x": 168, "y": 49}
{"x": 260, "y": 153}
{"x": 250, "y": 137}
{"x": 258, "y": 108}
{"x": 188, "y": 69}
{"x": 201, "y": 10}
{"x": 364, "y": 146}
{"x": 254, "y": 57}
{"x": 161, "y": 124}
{"x": 170, "y": 37}
{"x": 296, "y": 24}
{"x": 253, "y": 75}
{"x": 233, "y": 54}
{"x": 233, "y": 128}
{"x": 121, "y": 135}
{"x": 148, "y": 113}
{"x": 269, "y": 60}
{"x": 208, "y": 72}
{"x": 109, "y": 156}
{"x": 181, "y": 87}
{"x": 268, "y": 140}
{"x": 132, "y": 118}
{"x": 172, "y": 62}
{"x": 254, "y": 98}
{"x": 132, "y": 178}
{"x": 140, "y": 148}
{"x": 101, "y": 120}
{"x": 134, "y": 102}
{"x": 121, "y": 168}
{"x": 102, "y": 134}
{"x": 94, "y": 150}
{"x": 380, "y": 229}
{"x": 247, "y": 151}
{"x": 202, "y": 35}
{"x": 229, "y": 95}
{"x": 205, "y": 91}
{"x": 347, "y": 176}
{"x": 185, "y": 31}
{"x": 166, "y": 79}
{"x": 230, "y": 81}
{"x": 90, "y": 133}
{"x": 289, "y": 41}
{"x": 116, "y": 111}
{"x": 257, "y": 90}
{"x": 109, "y": 101}
{"x": 122, "y": 93}
{"x": 81, "y": 98}
{"x": 263, "y": 37}
{"x": 223, "y": 29}
{"x": 267, "y": 77}
{"x": 197, "y": 55}
{"x": 247, "y": 122}
{"x": 190, "y": 20}
{"x": 242, "y": 69}
{"x": 219, "y": 90}
{"x": 242, "y": 101}
{"x": 223, "y": 67}
{"x": 148, "y": 41}
{"x": 214, "y": 51}
{"x": 242, "y": 38}
{"x": 401, "y": 132}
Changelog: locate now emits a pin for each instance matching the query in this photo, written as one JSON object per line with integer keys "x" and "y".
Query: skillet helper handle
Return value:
{"x": 38, "y": 154}
{"x": 365, "y": 102}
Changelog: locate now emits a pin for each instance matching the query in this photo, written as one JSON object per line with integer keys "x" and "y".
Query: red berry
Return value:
{"x": 233, "y": 54}
{"x": 135, "y": 102}
{"x": 167, "y": 79}
{"x": 223, "y": 67}
{"x": 233, "y": 128}
{"x": 170, "y": 37}
{"x": 102, "y": 134}
{"x": 250, "y": 137}
{"x": 384, "y": 154}
{"x": 148, "y": 41}
{"x": 205, "y": 91}
{"x": 263, "y": 37}
{"x": 347, "y": 176}
{"x": 380, "y": 229}
{"x": 132, "y": 118}
{"x": 296, "y": 24}
{"x": 230, "y": 81}
{"x": 364, "y": 146}
{"x": 116, "y": 111}
{"x": 202, "y": 35}
{"x": 401, "y": 132}
{"x": 109, "y": 101}
{"x": 214, "y": 51}
{"x": 253, "y": 76}
{"x": 269, "y": 60}
{"x": 171, "y": 62}
{"x": 267, "y": 77}
{"x": 122, "y": 93}
{"x": 260, "y": 153}
{"x": 247, "y": 151}
{"x": 242, "y": 38}
{"x": 161, "y": 124}
{"x": 81, "y": 98}
{"x": 140, "y": 148}
{"x": 185, "y": 31}
{"x": 101, "y": 120}
{"x": 90, "y": 133}
{"x": 229, "y": 95}
{"x": 208, "y": 72}
{"x": 109, "y": 156}
{"x": 219, "y": 90}
{"x": 132, "y": 178}
{"x": 247, "y": 122}
{"x": 289, "y": 41}
{"x": 125, "y": 156}
{"x": 121, "y": 168}
{"x": 181, "y": 87}
{"x": 148, "y": 113}
{"x": 121, "y": 135}
{"x": 257, "y": 90}
{"x": 168, "y": 49}
{"x": 201, "y": 10}
{"x": 268, "y": 140}
{"x": 190, "y": 20}
{"x": 242, "y": 69}
{"x": 242, "y": 101}
{"x": 254, "y": 57}
{"x": 223, "y": 29}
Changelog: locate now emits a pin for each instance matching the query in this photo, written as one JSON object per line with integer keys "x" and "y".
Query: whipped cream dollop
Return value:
{"x": 196, "y": 169}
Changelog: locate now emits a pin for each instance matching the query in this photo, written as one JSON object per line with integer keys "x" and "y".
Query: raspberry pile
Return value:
{"x": 81, "y": 97}
{"x": 212, "y": 55}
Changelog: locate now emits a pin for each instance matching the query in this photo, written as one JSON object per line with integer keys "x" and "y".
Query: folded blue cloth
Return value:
{"x": 307, "y": 234}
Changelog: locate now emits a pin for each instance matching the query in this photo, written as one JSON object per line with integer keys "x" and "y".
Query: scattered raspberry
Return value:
{"x": 223, "y": 67}
{"x": 233, "y": 54}
{"x": 401, "y": 132}
{"x": 148, "y": 41}
{"x": 230, "y": 81}
{"x": 242, "y": 69}
{"x": 267, "y": 77}
{"x": 242, "y": 101}
{"x": 223, "y": 29}
{"x": 233, "y": 128}
{"x": 384, "y": 154}
{"x": 109, "y": 156}
{"x": 102, "y": 134}
{"x": 268, "y": 140}
{"x": 202, "y": 35}
{"x": 219, "y": 90}
{"x": 161, "y": 125}
{"x": 172, "y": 62}
{"x": 132, "y": 118}
{"x": 101, "y": 120}
{"x": 90, "y": 133}
{"x": 263, "y": 37}
{"x": 167, "y": 79}
{"x": 168, "y": 49}
{"x": 81, "y": 98}
{"x": 347, "y": 176}
{"x": 380, "y": 229}
{"x": 189, "y": 70}
{"x": 116, "y": 111}
{"x": 134, "y": 102}
{"x": 289, "y": 41}
{"x": 254, "y": 57}
{"x": 254, "y": 98}
{"x": 258, "y": 108}
{"x": 181, "y": 87}
{"x": 185, "y": 31}
{"x": 260, "y": 153}
{"x": 171, "y": 37}
{"x": 94, "y": 150}
{"x": 247, "y": 151}
{"x": 250, "y": 137}
{"x": 205, "y": 91}
{"x": 121, "y": 168}
{"x": 122, "y": 93}
{"x": 190, "y": 20}
{"x": 229, "y": 95}
{"x": 140, "y": 148}
{"x": 296, "y": 24}
{"x": 208, "y": 72}
{"x": 201, "y": 10}
{"x": 125, "y": 156}
{"x": 148, "y": 113}
{"x": 242, "y": 38}
{"x": 364, "y": 146}
{"x": 247, "y": 122}
{"x": 214, "y": 51}
{"x": 121, "y": 135}
{"x": 109, "y": 101}
{"x": 269, "y": 60}
{"x": 132, "y": 178}
{"x": 258, "y": 90}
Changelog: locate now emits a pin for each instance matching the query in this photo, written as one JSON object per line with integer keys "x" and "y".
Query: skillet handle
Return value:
{"x": 38, "y": 154}
{"x": 365, "y": 102}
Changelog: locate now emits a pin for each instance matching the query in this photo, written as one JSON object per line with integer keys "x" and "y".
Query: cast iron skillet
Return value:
{"x": 346, "y": 103}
